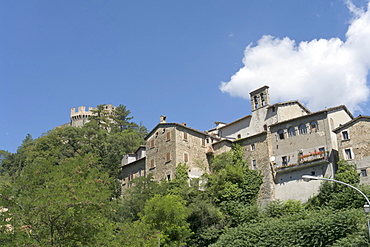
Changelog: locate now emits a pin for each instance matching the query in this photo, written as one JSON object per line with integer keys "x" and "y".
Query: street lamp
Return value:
{"x": 308, "y": 178}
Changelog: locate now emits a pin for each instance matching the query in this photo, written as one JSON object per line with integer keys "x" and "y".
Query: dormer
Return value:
{"x": 260, "y": 98}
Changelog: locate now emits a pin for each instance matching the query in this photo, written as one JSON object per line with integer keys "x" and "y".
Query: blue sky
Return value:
{"x": 193, "y": 61}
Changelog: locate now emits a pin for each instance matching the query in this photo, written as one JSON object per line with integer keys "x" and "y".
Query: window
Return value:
{"x": 262, "y": 100}
{"x": 253, "y": 146}
{"x": 363, "y": 173}
{"x": 302, "y": 129}
{"x": 239, "y": 136}
{"x": 284, "y": 160}
{"x": 185, "y": 136}
{"x": 314, "y": 126}
{"x": 186, "y": 157}
{"x": 168, "y": 157}
{"x": 152, "y": 144}
{"x": 168, "y": 136}
{"x": 254, "y": 164}
{"x": 281, "y": 134}
{"x": 168, "y": 177}
{"x": 345, "y": 135}
{"x": 152, "y": 163}
{"x": 255, "y": 102}
{"x": 291, "y": 132}
{"x": 348, "y": 154}
{"x": 203, "y": 142}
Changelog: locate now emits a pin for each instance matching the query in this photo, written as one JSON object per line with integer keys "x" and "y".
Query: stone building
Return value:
{"x": 305, "y": 145}
{"x": 263, "y": 115}
{"x": 133, "y": 166}
{"x": 283, "y": 140}
{"x": 354, "y": 145}
{"x": 168, "y": 145}
{"x": 80, "y": 116}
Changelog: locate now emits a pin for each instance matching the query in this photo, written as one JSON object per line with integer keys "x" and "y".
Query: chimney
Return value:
{"x": 162, "y": 119}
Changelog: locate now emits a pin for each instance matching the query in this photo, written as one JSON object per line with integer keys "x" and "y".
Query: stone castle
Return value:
{"x": 283, "y": 140}
{"x": 81, "y": 116}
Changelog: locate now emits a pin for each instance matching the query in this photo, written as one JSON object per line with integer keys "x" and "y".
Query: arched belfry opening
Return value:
{"x": 260, "y": 98}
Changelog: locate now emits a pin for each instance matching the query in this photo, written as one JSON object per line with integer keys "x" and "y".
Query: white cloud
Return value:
{"x": 320, "y": 73}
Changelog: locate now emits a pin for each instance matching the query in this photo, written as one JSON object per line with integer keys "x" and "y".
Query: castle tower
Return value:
{"x": 260, "y": 98}
{"x": 80, "y": 117}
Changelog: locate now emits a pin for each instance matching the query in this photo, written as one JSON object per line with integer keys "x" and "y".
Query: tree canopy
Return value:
{"x": 62, "y": 189}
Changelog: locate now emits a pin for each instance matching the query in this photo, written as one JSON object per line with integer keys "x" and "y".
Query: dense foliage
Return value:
{"x": 62, "y": 189}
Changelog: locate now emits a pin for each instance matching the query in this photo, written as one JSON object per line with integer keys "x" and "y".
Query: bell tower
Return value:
{"x": 260, "y": 98}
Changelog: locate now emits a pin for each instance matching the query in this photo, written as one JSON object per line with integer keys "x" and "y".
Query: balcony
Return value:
{"x": 304, "y": 160}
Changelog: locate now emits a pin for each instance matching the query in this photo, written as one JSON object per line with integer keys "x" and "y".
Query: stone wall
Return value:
{"x": 256, "y": 152}
{"x": 172, "y": 144}
{"x": 131, "y": 171}
{"x": 357, "y": 141}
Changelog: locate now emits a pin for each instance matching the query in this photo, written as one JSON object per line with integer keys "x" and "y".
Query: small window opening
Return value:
{"x": 363, "y": 173}
{"x": 281, "y": 134}
{"x": 168, "y": 156}
{"x": 253, "y": 146}
{"x": 302, "y": 129}
{"x": 291, "y": 132}
{"x": 345, "y": 135}
{"x": 186, "y": 157}
{"x": 348, "y": 154}
{"x": 254, "y": 164}
{"x": 284, "y": 160}
{"x": 255, "y": 102}
{"x": 168, "y": 136}
{"x": 314, "y": 126}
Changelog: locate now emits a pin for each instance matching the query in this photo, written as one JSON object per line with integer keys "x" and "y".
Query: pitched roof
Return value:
{"x": 318, "y": 112}
{"x": 238, "y": 120}
{"x": 291, "y": 102}
{"x": 175, "y": 124}
{"x": 344, "y": 126}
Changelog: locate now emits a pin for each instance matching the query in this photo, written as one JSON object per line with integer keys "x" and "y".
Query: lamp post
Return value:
{"x": 308, "y": 178}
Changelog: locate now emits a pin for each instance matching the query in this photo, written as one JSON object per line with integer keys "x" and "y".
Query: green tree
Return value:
{"x": 121, "y": 120}
{"x": 13, "y": 163}
{"x": 279, "y": 208}
{"x": 321, "y": 228}
{"x": 100, "y": 118}
{"x": 233, "y": 186}
{"x": 128, "y": 207}
{"x": 168, "y": 215}
{"x": 206, "y": 220}
{"x": 339, "y": 196}
{"x": 60, "y": 205}
{"x": 232, "y": 180}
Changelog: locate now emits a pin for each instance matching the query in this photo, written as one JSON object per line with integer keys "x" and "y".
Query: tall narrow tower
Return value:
{"x": 260, "y": 98}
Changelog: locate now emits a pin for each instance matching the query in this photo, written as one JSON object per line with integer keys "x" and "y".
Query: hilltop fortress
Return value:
{"x": 283, "y": 140}
{"x": 81, "y": 116}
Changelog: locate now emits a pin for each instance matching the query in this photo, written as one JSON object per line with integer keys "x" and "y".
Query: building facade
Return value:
{"x": 283, "y": 140}
{"x": 354, "y": 145}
